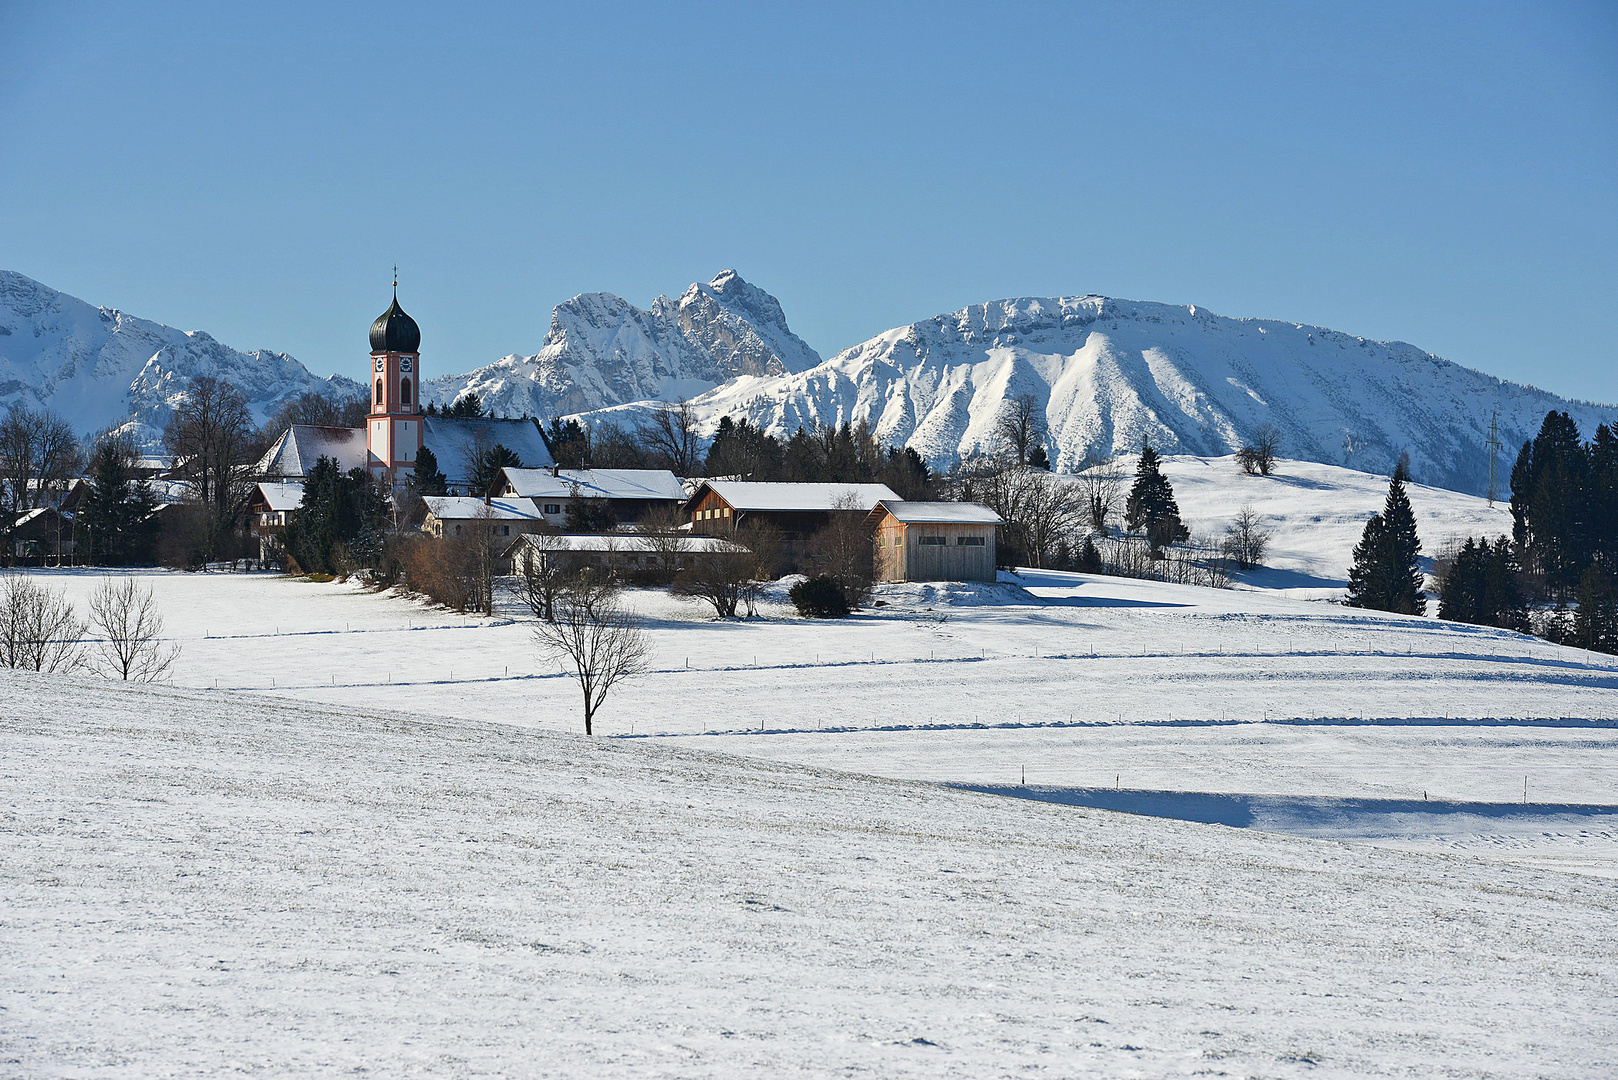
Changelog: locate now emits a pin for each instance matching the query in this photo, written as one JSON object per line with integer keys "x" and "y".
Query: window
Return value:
{"x": 379, "y": 391}
{"x": 969, "y": 541}
{"x": 505, "y": 530}
{"x": 553, "y": 508}
{"x": 404, "y": 391}
{"x": 932, "y": 541}
{"x": 898, "y": 540}
{"x": 457, "y": 530}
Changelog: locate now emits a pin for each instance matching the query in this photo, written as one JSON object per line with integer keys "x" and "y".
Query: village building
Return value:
{"x": 494, "y": 519}
{"x": 618, "y": 553}
{"x": 933, "y": 541}
{"x": 399, "y": 426}
{"x": 269, "y": 511}
{"x": 629, "y": 494}
{"x": 796, "y": 511}
{"x": 42, "y": 536}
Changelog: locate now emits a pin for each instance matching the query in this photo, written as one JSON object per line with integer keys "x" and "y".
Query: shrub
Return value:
{"x": 819, "y": 598}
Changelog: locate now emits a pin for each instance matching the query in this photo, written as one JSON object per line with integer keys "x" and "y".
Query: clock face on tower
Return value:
{"x": 381, "y": 365}
{"x": 404, "y": 363}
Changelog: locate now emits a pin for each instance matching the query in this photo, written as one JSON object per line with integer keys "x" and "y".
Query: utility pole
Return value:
{"x": 1494, "y": 450}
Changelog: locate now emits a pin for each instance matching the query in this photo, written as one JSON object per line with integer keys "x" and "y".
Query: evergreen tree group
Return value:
{"x": 1386, "y": 573}
{"x": 1480, "y": 586}
{"x": 1564, "y": 503}
{"x": 341, "y": 522}
{"x": 1151, "y": 507}
{"x": 118, "y": 518}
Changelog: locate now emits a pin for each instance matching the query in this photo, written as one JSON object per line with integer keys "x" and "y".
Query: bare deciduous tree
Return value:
{"x": 842, "y": 550}
{"x": 1257, "y": 457}
{"x": 542, "y": 574}
{"x": 131, "y": 645}
{"x": 593, "y": 632}
{"x": 1040, "y": 510}
{"x": 1245, "y": 541}
{"x": 1020, "y": 427}
{"x": 1102, "y": 486}
{"x": 671, "y": 435}
{"x": 39, "y": 456}
{"x": 38, "y": 629}
{"x": 210, "y": 436}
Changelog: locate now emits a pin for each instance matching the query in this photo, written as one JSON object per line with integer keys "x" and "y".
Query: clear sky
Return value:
{"x": 1440, "y": 173}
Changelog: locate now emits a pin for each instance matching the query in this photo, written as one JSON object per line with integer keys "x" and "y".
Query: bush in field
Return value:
{"x": 819, "y": 598}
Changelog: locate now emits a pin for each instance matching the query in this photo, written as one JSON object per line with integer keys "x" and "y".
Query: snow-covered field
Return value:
{"x": 203, "y": 883}
{"x": 1315, "y": 515}
{"x": 1064, "y": 682}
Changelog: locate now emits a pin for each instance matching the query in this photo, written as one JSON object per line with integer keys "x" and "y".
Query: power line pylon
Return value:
{"x": 1494, "y": 452}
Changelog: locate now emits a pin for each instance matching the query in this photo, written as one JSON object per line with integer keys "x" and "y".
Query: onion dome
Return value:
{"x": 394, "y": 331}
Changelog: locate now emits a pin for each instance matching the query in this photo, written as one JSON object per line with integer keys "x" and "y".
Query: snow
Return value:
{"x": 623, "y": 542}
{"x": 460, "y": 507}
{"x": 1107, "y": 373}
{"x": 1063, "y": 680}
{"x": 939, "y": 513}
{"x": 1315, "y": 514}
{"x": 280, "y": 496}
{"x": 203, "y": 883}
{"x": 604, "y": 483}
{"x": 99, "y": 366}
{"x": 301, "y": 445}
{"x": 761, "y": 495}
{"x": 457, "y": 442}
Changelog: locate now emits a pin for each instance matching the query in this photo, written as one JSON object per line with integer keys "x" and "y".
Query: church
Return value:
{"x": 398, "y": 425}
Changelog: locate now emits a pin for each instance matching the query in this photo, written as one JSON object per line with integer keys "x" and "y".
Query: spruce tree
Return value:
{"x": 1151, "y": 506}
{"x": 1386, "y": 575}
{"x": 487, "y": 468}
{"x": 428, "y": 478}
{"x": 118, "y": 517}
{"x": 1595, "y": 621}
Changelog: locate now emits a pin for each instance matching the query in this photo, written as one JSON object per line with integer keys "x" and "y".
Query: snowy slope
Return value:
{"x": 199, "y": 884}
{"x": 1108, "y": 373}
{"x": 1315, "y": 515}
{"x": 99, "y": 366}
{"x": 604, "y": 351}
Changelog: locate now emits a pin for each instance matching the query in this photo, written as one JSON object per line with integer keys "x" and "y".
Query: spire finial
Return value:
{"x": 396, "y": 281}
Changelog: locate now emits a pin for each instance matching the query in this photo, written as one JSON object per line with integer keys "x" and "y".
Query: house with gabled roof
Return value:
{"x": 629, "y": 493}
{"x": 795, "y": 510}
{"x": 933, "y": 541}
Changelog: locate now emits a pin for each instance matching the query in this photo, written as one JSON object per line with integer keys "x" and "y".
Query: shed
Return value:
{"x": 454, "y": 515}
{"x": 797, "y": 511}
{"x": 933, "y": 541}
{"x": 616, "y": 552}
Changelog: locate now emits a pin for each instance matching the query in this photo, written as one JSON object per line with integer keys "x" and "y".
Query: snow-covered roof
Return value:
{"x": 619, "y": 542}
{"x": 939, "y": 513}
{"x": 301, "y": 445}
{"x": 601, "y": 483}
{"x": 759, "y": 495}
{"x": 456, "y": 442}
{"x": 459, "y": 508}
{"x": 281, "y": 496}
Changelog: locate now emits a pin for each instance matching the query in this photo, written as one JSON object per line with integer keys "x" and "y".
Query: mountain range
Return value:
{"x": 1106, "y": 374}
{"x": 100, "y": 367}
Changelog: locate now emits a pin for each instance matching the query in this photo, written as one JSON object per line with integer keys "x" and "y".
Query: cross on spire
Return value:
{"x": 396, "y": 281}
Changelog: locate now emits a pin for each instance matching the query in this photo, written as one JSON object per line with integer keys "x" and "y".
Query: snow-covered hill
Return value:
{"x": 200, "y": 883}
{"x": 100, "y": 366}
{"x": 1108, "y": 373}
{"x": 1315, "y": 514}
{"x": 604, "y": 351}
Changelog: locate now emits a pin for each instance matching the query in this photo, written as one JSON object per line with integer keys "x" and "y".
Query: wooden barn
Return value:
{"x": 933, "y": 541}
{"x": 796, "y": 511}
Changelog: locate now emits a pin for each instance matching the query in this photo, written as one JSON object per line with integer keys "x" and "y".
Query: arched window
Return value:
{"x": 379, "y": 391}
{"x": 404, "y": 391}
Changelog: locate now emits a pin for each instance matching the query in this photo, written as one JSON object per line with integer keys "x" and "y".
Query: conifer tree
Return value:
{"x": 428, "y": 478}
{"x": 118, "y": 514}
{"x": 1385, "y": 574}
{"x": 1151, "y": 506}
{"x": 489, "y": 463}
{"x": 1595, "y": 621}
{"x": 340, "y": 522}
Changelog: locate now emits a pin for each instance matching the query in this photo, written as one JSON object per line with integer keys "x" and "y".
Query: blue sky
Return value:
{"x": 1444, "y": 174}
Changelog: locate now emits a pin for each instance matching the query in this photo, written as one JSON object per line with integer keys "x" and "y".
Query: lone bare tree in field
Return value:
{"x": 131, "y": 646}
{"x": 1020, "y": 427}
{"x": 1257, "y": 457}
{"x": 592, "y": 631}
{"x": 38, "y": 630}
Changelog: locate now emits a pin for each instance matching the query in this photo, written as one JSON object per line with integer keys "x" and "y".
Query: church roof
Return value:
{"x": 394, "y": 331}
{"x": 457, "y": 441}
{"x": 596, "y": 483}
{"x": 301, "y": 445}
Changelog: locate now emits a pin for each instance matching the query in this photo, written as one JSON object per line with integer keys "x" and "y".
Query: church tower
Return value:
{"x": 393, "y": 430}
